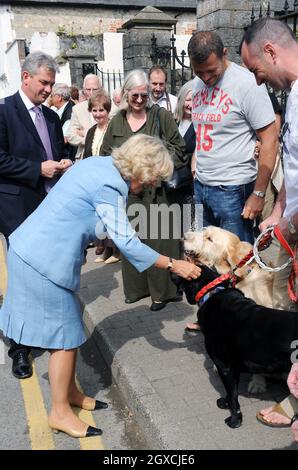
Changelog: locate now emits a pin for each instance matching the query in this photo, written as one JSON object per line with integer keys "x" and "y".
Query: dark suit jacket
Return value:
{"x": 70, "y": 149}
{"x": 21, "y": 155}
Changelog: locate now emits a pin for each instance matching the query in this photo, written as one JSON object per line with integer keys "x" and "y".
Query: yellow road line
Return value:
{"x": 88, "y": 443}
{"x": 3, "y": 269}
{"x": 41, "y": 436}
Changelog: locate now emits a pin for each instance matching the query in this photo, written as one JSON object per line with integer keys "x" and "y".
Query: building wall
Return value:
{"x": 229, "y": 17}
{"x": 28, "y": 20}
{"x": 39, "y": 25}
{"x": 6, "y": 34}
{"x": 12, "y": 71}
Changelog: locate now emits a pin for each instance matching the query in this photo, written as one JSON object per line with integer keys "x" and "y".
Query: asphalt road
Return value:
{"x": 23, "y": 418}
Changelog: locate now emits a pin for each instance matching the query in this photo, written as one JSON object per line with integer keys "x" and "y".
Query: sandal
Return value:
{"x": 277, "y": 409}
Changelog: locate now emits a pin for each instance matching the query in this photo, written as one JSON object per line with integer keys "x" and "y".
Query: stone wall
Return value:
{"x": 228, "y": 18}
{"x": 92, "y": 45}
{"x": 28, "y": 20}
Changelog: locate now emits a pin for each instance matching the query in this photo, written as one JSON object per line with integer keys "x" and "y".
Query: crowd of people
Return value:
{"x": 221, "y": 126}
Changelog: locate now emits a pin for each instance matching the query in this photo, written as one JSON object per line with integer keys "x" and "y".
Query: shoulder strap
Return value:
{"x": 158, "y": 130}
{"x": 169, "y": 106}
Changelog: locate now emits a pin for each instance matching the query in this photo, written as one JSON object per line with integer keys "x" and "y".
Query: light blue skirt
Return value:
{"x": 38, "y": 313}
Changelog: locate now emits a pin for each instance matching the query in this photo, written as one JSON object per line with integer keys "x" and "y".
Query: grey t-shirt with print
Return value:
{"x": 225, "y": 118}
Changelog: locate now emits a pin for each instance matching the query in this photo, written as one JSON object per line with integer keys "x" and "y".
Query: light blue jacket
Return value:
{"x": 86, "y": 203}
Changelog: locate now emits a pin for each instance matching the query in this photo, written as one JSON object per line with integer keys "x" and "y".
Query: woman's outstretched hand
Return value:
{"x": 180, "y": 267}
{"x": 185, "y": 269}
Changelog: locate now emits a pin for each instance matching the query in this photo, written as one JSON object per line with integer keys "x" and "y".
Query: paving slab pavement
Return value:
{"x": 165, "y": 375}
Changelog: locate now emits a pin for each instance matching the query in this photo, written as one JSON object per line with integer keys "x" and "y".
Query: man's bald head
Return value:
{"x": 268, "y": 30}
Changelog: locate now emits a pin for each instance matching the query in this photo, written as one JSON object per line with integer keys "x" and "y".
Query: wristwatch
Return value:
{"x": 170, "y": 264}
{"x": 259, "y": 194}
{"x": 291, "y": 227}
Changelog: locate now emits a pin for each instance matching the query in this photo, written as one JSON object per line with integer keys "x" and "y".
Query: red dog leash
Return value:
{"x": 231, "y": 275}
{"x": 250, "y": 255}
{"x": 215, "y": 283}
{"x": 263, "y": 244}
{"x": 294, "y": 270}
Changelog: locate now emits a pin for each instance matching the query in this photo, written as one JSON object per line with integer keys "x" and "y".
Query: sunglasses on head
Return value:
{"x": 135, "y": 96}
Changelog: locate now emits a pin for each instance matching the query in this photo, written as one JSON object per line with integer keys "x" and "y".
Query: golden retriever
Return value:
{"x": 218, "y": 248}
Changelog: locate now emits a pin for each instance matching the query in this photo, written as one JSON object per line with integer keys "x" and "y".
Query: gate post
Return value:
{"x": 79, "y": 49}
{"x": 229, "y": 17}
{"x": 137, "y": 44}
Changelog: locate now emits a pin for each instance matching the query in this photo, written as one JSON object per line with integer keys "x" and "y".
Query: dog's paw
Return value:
{"x": 234, "y": 421}
{"x": 223, "y": 403}
{"x": 257, "y": 384}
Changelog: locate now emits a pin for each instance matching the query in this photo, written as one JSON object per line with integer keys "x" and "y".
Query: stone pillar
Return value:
{"x": 76, "y": 60}
{"x": 137, "y": 46}
{"x": 229, "y": 17}
{"x": 79, "y": 50}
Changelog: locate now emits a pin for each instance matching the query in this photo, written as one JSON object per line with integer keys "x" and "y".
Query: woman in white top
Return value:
{"x": 99, "y": 105}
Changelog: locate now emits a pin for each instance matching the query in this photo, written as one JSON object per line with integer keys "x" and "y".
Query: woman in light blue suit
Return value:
{"x": 46, "y": 253}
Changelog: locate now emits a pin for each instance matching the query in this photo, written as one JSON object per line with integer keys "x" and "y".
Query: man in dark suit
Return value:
{"x": 63, "y": 104}
{"x": 31, "y": 151}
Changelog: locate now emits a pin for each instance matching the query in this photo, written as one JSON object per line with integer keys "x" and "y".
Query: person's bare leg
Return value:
{"x": 76, "y": 397}
{"x": 61, "y": 370}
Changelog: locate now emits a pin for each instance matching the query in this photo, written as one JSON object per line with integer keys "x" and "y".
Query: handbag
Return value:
{"x": 181, "y": 177}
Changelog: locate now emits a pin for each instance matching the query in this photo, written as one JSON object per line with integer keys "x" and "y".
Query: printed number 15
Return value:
{"x": 204, "y": 140}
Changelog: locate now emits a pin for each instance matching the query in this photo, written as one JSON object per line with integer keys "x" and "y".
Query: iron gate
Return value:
{"x": 110, "y": 80}
{"x": 177, "y": 65}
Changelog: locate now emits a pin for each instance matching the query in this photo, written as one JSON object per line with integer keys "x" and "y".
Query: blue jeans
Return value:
{"x": 222, "y": 207}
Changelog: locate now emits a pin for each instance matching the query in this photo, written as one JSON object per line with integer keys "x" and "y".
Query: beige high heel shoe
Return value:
{"x": 96, "y": 405}
{"x": 90, "y": 431}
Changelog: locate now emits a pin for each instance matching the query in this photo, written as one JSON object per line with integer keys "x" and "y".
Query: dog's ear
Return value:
{"x": 241, "y": 250}
{"x": 224, "y": 265}
{"x": 236, "y": 253}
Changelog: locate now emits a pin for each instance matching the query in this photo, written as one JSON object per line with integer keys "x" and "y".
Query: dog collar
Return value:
{"x": 209, "y": 294}
{"x": 215, "y": 283}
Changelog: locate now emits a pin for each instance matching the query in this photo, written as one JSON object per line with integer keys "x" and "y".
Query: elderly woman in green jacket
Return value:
{"x": 137, "y": 117}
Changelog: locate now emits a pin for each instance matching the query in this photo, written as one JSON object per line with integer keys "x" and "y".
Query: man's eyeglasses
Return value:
{"x": 143, "y": 96}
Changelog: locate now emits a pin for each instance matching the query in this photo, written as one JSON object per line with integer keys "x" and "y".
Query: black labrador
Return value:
{"x": 241, "y": 336}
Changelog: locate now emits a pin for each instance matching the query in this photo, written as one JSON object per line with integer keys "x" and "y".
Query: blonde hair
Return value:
{"x": 181, "y": 97}
{"x": 144, "y": 158}
{"x": 134, "y": 79}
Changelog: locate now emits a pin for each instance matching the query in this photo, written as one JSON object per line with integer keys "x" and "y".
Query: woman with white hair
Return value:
{"x": 137, "y": 117}
{"x": 46, "y": 253}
